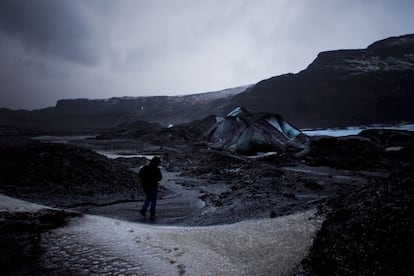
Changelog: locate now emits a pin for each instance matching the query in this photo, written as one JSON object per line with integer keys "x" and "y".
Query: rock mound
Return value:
{"x": 60, "y": 174}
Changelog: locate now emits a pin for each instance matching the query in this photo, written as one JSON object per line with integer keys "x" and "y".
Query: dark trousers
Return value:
{"x": 150, "y": 198}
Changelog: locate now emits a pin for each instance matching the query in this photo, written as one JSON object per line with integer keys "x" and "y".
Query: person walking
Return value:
{"x": 150, "y": 175}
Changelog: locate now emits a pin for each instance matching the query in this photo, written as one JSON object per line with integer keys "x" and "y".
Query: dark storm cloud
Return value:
{"x": 49, "y": 27}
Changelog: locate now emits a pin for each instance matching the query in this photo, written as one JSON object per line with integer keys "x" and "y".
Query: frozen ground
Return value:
{"x": 105, "y": 246}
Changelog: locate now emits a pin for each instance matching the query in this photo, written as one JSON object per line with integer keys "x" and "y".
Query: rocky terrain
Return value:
{"x": 362, "y": 184}
{"x": 230, "y": 168}
{"x": 368, "y": 231}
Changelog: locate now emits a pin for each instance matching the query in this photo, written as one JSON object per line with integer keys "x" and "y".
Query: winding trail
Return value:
{"x": 173, "y": 209}
{"x": 95, "y": 245}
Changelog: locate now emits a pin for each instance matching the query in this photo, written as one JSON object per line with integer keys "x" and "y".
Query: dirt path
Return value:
{"x": 106, "y": 246}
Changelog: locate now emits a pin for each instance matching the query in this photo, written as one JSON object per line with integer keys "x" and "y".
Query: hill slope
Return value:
{"x": 342, "y": 88}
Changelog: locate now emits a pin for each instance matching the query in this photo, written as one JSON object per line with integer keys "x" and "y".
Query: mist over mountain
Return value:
{"x": 339, "y": 88}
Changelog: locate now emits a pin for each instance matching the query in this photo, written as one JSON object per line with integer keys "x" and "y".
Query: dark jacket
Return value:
{"x": 150, "y": 175}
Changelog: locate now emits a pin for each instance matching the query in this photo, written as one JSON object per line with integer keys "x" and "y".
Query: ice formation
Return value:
{"x": 250, "y": 133}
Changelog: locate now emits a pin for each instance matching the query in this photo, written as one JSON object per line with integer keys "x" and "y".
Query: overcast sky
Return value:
{"x": 51, "y": 50}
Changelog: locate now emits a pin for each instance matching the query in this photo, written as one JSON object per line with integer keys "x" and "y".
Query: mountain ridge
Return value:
{"x": 339, "y": 88}
{"x": 342, "y": 88}
{"x": 71, "y": 115}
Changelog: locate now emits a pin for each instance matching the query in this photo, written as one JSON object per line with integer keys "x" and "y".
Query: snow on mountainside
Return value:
{"x": 217, "y": 94}
{"x": 391, "y": 54}
{"x": 191, "y": 98}
{"x": 374, "y": 64}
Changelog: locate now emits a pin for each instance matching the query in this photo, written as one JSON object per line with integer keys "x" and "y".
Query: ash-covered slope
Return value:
{"x": 369, "y": 231}
{"x": 342, "y": 88}
{"x": 247, "y": 133}
{"x": 61, "y": 174}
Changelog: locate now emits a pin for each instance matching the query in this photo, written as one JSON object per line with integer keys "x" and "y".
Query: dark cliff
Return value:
{"x": 342, "y": 88}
